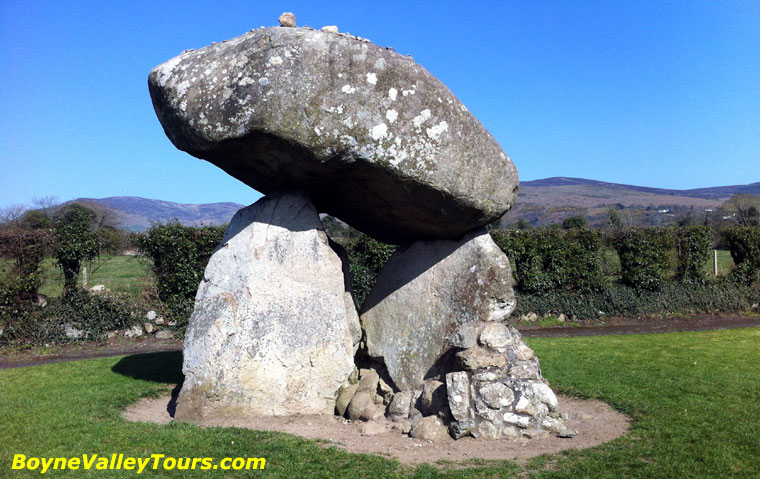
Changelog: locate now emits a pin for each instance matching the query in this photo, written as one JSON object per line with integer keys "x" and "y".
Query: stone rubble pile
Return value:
{"x": 322, "y": 121}
{"x": 494, "y": 391}
{"x": 500, "y": 392}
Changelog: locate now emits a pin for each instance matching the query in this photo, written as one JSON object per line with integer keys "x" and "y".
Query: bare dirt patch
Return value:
{"x": 595, "y": 421}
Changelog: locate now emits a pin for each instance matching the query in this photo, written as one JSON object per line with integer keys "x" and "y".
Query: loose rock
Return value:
{"x": 458, "y": 390}
{"x": 72, "y": 332}
{"x": 497, "y": 395}
{"x": 287, "y": 19}
{"x": 404, "y": 426}
{"x": 430, "y": 428}
{"x": 495, "y": 335}
{"x": 434, "y": 399}
{"x": 479, "y": 358}
{"x": 133, "y": 332}
{"x": 99, "y": 289}
{"x": 466, "y": 336}
{"x": 401, "y": 404}
{"x": 164, "y": 334}
{"x": 361, "y": 405}
{"x": 345, "y": 397}
{"x": 372, "y": 428}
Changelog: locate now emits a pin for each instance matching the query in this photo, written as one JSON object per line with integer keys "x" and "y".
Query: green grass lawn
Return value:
{"x": 694, "y": 399}
{"x": 725, "y": 263}
{"x": 120, "y": 274}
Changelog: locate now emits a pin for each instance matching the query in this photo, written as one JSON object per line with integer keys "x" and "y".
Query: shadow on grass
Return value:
{"x": 164, "y": 367}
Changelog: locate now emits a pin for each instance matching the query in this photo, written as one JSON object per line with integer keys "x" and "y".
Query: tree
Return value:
{"x": 522, "y": 224}
{"x": 45, "y": 204}
{"x": 75, "y": 241}
{"x": 23, "y": 251}
{"x": 10, "y": 216}
{"x": 36, "y": 220}
{"x": 112, "y": 240}
{"x": 687, "y": 219}
{"x": 613, "y": 219}
{"x": 745, "y": 209}
{"x": 180, "y": 254}
{"x": 574, "y": 222}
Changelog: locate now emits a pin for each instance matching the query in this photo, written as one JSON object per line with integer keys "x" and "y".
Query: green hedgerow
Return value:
{"x": 644, "y": 256}
{"x": 693, "y": 246}
{"x": 744, "y": 244}
{"x": 180, "y": 254}
{"x": 547, "y": 259}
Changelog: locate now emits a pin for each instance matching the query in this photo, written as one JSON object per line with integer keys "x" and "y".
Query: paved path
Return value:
{"x": 78, "y": 354}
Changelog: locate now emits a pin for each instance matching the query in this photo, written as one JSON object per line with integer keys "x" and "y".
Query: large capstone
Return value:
{"x": 271, "y": 333}
{"x": 427, "y": 297}
{"x": 372, "y": 136}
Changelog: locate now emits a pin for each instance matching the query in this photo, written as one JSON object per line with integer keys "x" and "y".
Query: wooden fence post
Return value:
{"x": 715, "y": 262}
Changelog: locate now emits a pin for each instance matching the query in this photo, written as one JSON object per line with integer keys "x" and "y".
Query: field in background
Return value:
{"x": 129, "y": 275}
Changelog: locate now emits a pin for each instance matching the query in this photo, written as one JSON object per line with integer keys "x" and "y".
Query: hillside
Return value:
{"x": 136, "y": 214}
{"x": 540, "y": 202}
{"x": 551, "y": 200}
{"x": 717, "y": 192}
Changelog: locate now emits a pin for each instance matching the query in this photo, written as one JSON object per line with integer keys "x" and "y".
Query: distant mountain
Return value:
{"x": 551, "y": 200}
{"x": 136, "y": 214}
{"x": 717, "y": 192}
{"x": 540, "y": 202}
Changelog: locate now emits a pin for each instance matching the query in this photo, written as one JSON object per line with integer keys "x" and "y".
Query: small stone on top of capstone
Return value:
{"x": 287, "y": 19}
{"x": 330, "y": 29}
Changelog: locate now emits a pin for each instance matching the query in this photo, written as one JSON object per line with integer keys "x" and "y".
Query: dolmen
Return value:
{"x": 326, "y": 122}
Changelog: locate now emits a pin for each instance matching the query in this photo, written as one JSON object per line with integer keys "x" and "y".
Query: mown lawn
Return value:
{"x": 121, "y": 274}
{"x": 694, "y": 399}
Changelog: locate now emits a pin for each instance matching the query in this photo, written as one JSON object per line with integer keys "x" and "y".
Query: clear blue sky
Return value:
{"x": 655, "y": 93}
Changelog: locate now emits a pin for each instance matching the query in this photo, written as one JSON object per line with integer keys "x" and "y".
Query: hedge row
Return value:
{"x": 620, "y": 300}
{"x": 366, "y": 257}
{"x": 179, "y": 254}
{"x": 76, "y": 316}
{"x": 551, "y": 259}
{"x": 744, "y": 244}
{"x": 693, "y": 244}
{"x": 644, "y": 256}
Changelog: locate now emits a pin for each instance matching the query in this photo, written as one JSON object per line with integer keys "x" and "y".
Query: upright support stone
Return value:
{"x": 425, "y": 293}
{"x": 271, "y": 332}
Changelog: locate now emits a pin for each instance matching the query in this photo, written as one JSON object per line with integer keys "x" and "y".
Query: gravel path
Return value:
{"x": 613, "y": 326}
